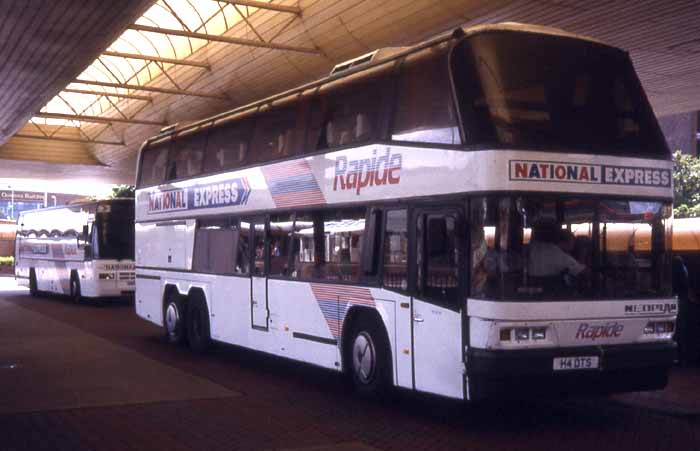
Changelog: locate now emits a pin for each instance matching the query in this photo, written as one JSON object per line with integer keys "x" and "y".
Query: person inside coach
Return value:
{"x": 548, "y": 254}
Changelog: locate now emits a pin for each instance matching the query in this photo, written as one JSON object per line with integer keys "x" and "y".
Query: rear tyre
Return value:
{"x": 33, "y": 290}
{"x": 174, "y": 320}
{"x": 198, "y": 332}
{"x": 75, "y": 294}
{"x": 368, "y": 358}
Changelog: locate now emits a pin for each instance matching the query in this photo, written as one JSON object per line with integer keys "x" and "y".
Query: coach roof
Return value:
{"x": 457, "y": 34}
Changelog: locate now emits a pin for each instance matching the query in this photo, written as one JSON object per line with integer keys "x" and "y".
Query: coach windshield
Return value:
{"x": 547, "y": 248}
{"x": 115, "y": 231}
{"x": 537, "y": 91}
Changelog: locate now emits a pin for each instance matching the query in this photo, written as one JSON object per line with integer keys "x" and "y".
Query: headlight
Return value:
{"x": 106, "y": 276}
{"x": 539, "y": 333}
{"x": 522, "y": 333}
{"x": 659, "y": 327}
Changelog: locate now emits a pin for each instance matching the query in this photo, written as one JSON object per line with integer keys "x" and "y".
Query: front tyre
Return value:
{"x": 198, "y": 331}
{"x": 75, "y": 294}
{"x": 369, "y": 359}
{"x": 33, "y": 290}
{"x": 174, "y": 320}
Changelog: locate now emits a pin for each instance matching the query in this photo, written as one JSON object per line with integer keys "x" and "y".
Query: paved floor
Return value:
{"x": 91, "y": 377}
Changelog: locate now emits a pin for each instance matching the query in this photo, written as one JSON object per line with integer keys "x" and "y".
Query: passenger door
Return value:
{"x": 258, "y": 275}
{"x": 437, "y": 330}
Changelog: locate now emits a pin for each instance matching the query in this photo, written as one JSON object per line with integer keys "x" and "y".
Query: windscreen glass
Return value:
{"x": 115, "y": 231}
{"x": 527, "y": 90}
{"x": 538, "y": 248}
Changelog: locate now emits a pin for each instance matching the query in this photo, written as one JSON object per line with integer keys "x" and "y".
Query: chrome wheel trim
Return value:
{"x": 364, "y": 358}
{"x": 172, "y": 318}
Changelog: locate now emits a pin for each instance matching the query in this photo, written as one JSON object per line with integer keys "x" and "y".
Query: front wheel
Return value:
{"x": 33, "y": 290}
{"x": 368, "y": 359}
{"x": 75, "y": 294}
{"x": 198, "y": 331}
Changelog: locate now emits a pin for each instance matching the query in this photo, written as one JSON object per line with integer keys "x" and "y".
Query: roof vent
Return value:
{"x": 367, "y": 58}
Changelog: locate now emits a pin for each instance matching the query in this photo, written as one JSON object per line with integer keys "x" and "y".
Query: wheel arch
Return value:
{"x": 354, "y": 316}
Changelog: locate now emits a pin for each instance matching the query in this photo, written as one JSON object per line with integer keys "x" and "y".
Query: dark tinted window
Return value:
{"x": 277, "y": 134}
{"x": 525, "y": 90}
{"x": 280, "y": 244}
{"x": 153, "y": 164}
{"x": 437, "y": 257}
{"x": 424, "y": 106}
{"x": 347, "y": 113}
{"x": 227, "y": 146}
{"x": 114, "y": 231}
{"x": 186, "y": 155}
{"x": 214, "y": 245}
{"x": 396, "y": 250}
{"x": 220, "y": 247}
{"x": 304, "y": 256}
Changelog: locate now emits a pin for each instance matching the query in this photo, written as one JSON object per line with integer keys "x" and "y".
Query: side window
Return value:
{"x": 186, "y": 156}
{"x": 280, "y": 232}
{"x": 424, "y": 107}
{"x": 153, "y": 164}
{"x": 276, "y": 135}
{"x": 344, "y": 234}
{"x": 243, "y": 250}
{"x": 396, "y": 250}
{"x": 227, "y": 146}
{"x": 348, "y": 113}
{"x": 437, "y": 257}
{"x": 328, "y": 245}
{"x": 484, "y": 261}
{"x": 258, "y": 229}
{"x": 220, "y": 247}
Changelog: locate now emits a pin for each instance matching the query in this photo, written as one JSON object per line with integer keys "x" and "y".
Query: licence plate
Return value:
{"x": 576, "y": 363}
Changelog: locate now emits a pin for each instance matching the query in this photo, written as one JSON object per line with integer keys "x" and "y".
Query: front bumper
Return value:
{"x": 523, "y": 373}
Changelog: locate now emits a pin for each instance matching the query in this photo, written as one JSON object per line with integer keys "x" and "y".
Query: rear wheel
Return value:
{"x": 368, "y": 358}
{"x": 32, "y": 283}
{"x": 198, "y": 332}
{"x": 174, "y": 320}
{"x": 75, "y": 294}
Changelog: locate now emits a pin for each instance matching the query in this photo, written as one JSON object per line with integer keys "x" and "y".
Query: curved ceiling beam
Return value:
{"x": 70, "y": 140}
{"x": 263, "y": 5}
{"x": 156, "y": 58}
{"x": 109, "y": 94}
{"x": 97, "y": 119}
{"x": 183, "y": 92}
{"x": 225, "y": 39}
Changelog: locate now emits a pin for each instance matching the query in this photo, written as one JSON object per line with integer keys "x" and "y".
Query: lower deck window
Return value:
{"x": 221, "y": 247}
{"x": 327, "y": 245}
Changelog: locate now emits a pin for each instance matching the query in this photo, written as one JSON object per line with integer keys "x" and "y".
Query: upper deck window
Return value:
{"x": 348, "y": 111}
{"x": 186, "y": 156}
{"x": 227, "y": 146}
{"x": 153, "y": 164}
{"x": 424, "y": 108}
{"x": 276, "y": 134}
{"x": 526, "y": 90}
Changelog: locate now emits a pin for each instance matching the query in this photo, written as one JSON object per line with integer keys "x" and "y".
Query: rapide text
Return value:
{"x": 368, "y": 172}
{"x": 593, "y": 332}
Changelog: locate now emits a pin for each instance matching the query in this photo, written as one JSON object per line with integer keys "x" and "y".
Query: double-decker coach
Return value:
{"x": 444, "y": 218}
